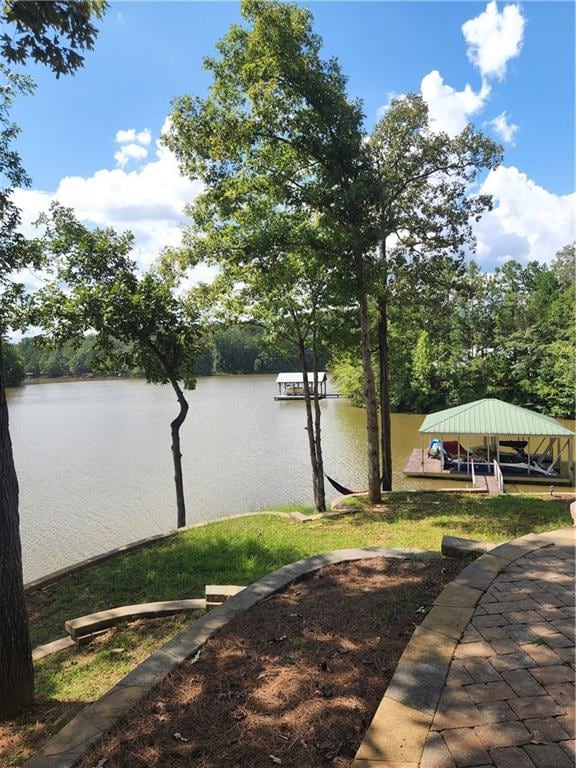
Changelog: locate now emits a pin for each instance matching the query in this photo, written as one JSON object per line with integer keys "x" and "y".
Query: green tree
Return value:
{"x": 277, "y": 124}
{"x": 423, "y": 205}
{"x": 13, "y": 365}
{"x": 54, "y": 34}
{"x": 278, "y": 117}
{"x": 564, "y": 265}
{"x": 139, "y": 321}
{"x": 423, "y": 365}
{"x": 271, "y": 277}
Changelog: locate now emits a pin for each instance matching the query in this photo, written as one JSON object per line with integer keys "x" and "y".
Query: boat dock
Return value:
{"x": 321, "y": 396}
{"x": 419, "y": 464}
{"x": 518, "y": 446}
{"x": 291, "y": 386}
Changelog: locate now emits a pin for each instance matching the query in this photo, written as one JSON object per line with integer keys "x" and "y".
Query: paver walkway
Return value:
{"x": 509, "y": 696}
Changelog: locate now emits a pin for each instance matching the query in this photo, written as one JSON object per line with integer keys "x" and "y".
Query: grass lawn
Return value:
{"x": 67, "y": 681}
{"x": 228, "y": 552}
{"x": 242, "y": 550}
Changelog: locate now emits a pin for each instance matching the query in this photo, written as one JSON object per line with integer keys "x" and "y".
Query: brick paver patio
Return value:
{"x": 509, "y": 697}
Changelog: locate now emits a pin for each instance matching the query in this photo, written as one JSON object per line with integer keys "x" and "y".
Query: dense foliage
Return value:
{"x": 13, "y": 365}
{"x": 232, "y": 349}
{"x": 508, "y": 334}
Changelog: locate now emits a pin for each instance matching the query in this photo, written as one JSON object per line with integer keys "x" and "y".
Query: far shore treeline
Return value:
{"x": 232, "y": 349}
{"x": 507, "y": 334}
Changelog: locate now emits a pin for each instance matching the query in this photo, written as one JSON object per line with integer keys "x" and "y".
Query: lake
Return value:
{"x": 95, "y": 467}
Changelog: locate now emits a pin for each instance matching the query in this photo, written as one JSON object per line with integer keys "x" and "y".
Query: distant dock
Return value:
{"x": 322, "y": 396}
{"x": 291, "y": 386}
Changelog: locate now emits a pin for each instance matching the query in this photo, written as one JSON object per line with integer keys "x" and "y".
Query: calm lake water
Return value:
{"x": 95, "y": 468}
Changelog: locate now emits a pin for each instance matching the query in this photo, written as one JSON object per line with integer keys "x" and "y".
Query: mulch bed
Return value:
{"x": 294, "y": 681}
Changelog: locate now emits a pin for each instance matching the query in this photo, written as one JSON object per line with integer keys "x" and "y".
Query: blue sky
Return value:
{"x": 510, "y": 70}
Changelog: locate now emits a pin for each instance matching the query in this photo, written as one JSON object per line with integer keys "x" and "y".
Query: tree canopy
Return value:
{"x": 279, "y": 133}
{"x": 140, "y": 321}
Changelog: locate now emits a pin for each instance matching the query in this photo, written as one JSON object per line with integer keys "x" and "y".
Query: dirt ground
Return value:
{"x": 295, "y": 681}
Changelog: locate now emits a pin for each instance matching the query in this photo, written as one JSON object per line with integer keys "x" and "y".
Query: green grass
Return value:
{"x": 304, "y": 509}
{"x": 229, "y": 552}
{"x": 242, "y": 550}
{"x": 84, "y": 674}
{"x": 67, "y": 681}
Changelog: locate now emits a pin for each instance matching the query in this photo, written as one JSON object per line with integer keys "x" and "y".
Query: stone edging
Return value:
{"x": 52, "y": 578}
{"x": 94, "y": 622}
{"x": 398, "y": 731}
{"x": 65, "y": 748}
{"x": 41, "y": 651}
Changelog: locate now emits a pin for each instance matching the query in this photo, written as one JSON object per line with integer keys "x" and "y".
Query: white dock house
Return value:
{"x": 291, "y": 385}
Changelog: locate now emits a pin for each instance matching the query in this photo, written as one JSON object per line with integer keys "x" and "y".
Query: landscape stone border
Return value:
{"x": 455, "y": 546}
{"x": 41, "y": 651}
{"x": 94, "y": 622}
{"x": 398, "y": 731}
{"x": 66, "y": 747}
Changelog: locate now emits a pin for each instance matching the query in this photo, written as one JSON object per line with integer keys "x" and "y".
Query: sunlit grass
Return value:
{"x": 242, "y": 550}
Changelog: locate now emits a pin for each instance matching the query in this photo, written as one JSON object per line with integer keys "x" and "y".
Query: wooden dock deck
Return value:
{"x": 486, "y": 484}
{"x": 419, "y": 464}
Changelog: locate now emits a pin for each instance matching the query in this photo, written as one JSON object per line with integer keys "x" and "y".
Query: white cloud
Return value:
{"x": 129, "y": 152}
{"x": 503, "y": 129}
{"x": 132, "y": 135}
{"x": 144, "y": 137}
{"x": 148, "y": 201}
{"x": 494, "y": 38}
{"x": 450, "y": 110}
{"x": 527, "y": 223}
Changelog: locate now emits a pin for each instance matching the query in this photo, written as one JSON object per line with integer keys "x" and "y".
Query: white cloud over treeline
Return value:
{"x": 527, "y": 221}
{"x": 148, "y": 199}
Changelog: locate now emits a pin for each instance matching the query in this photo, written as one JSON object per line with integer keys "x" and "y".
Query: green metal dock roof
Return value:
{"x": 492, "y": 417}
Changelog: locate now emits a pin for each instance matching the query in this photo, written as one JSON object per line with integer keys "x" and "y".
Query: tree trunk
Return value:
{"x": 309, "y": 423}
{"x": 384, "y": 372}
{"x": 321, "y": 505}
{"x": 374, "y": 493}
{"x": 16, "y": 670}
{"x": 176, "y": 455}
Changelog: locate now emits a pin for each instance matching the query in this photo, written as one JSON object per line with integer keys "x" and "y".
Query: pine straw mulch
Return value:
{"x": 294, "y": 681}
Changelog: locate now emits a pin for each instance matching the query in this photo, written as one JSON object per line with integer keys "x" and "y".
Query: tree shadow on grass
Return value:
{"x": 69, "y": 680}
{"x": 180, "y": 568}
{"x": 503, "y": 516}
{"x": 22, "y": 736}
